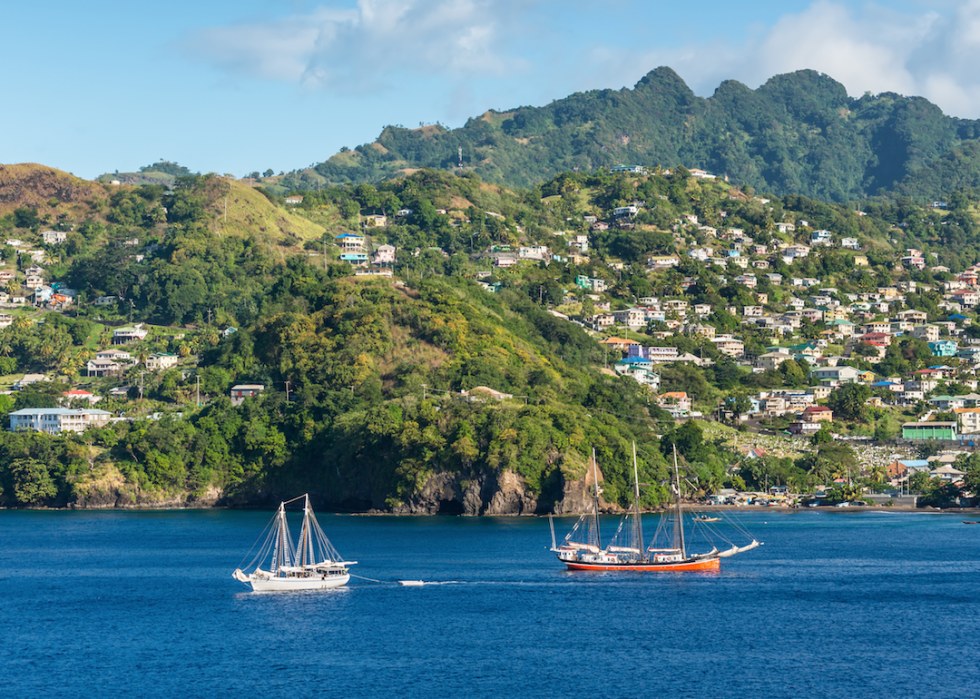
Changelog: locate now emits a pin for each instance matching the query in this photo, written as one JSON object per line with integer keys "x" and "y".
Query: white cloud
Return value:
{"x": 362, "y": 49}
{"x": 874, "y": 49}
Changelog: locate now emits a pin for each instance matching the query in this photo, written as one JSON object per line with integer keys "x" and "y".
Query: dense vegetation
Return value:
{"x": 798, "y": 133}
{"x": 376, "y": 370}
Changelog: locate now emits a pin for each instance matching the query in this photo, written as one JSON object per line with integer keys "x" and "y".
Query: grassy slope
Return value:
{"x": 249, "y": 212}
{"x": 29, "y": 184}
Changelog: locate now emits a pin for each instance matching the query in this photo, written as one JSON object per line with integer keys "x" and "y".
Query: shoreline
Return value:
{"x": 686, "y": 507}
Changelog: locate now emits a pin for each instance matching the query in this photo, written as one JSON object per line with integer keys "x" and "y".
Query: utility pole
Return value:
{"x": 287, "y": 392}
{"x": 423, "y": 392}
{"x": 199, "y": 391}
{"x": 141, "y": 385}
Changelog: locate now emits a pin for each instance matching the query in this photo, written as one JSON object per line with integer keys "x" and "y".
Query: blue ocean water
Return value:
{"x": 106, "y": 604}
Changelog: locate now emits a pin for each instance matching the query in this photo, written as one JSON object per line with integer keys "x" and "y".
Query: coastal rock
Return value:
{"x": 469, "y": 494}
{"x": 512, "y": 496}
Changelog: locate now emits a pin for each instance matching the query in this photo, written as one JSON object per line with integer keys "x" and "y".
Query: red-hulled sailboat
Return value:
{"x": 582, "y": 547}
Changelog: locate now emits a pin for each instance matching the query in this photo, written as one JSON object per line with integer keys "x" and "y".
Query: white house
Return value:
{"x": 56, "y": 420}
{"x": 160, "y": 361}
{"x": 54, "y": 237}
{"x": 242, "y": 391}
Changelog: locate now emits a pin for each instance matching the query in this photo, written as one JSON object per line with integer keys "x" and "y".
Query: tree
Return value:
{"x": 268, "y": 173}
{"x": 32, "y": 481}
{"x": 822, "y": 436}
{"x": 349, "y": 209}
{"x": 26, "y": 217}
{"x": 738, "y": 404}
{"x": 848, "y": 401}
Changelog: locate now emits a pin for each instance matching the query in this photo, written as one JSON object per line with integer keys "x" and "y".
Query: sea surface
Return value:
{"x": 142, "y": 604}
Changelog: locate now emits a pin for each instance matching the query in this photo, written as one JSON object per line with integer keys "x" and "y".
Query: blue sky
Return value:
{"x": 255, "y": 84}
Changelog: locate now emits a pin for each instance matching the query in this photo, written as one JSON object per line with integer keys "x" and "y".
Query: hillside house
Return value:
{"x": 54, "y": 237}
{"x": 929, "y": 333}
{"x": 57, "y": 420}
{"x": 640, "y": 370}
{"x": 77, "y": 394}
{"x": 835, "y": 375}
{"x": 820, "y": 237}
{"x": 943, "y": 348}
{"x": 350, "y": 243}
{"x": 161, "y": 361}
{"x": 817, "y": 413}
{"x": 384, "y": 256}
{"x": 242, "y": 391}
{"x": 729, "y": 345}
{"x": 135, "y": 333}
{"x": 114, "y": 355}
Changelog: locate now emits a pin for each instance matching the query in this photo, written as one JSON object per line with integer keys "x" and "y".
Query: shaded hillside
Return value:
{"x": 957, "y": 170}
{"x": 798, "y": 133}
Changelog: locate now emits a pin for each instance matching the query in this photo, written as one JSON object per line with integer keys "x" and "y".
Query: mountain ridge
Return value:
{"x": 798, "y": 133}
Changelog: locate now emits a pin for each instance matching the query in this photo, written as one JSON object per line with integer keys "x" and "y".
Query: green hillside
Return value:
{"x": 798, "y": 133}
{"x": 375, "y": 389}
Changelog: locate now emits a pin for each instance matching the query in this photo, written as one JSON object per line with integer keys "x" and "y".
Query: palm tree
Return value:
{"x": 878, "y": 473}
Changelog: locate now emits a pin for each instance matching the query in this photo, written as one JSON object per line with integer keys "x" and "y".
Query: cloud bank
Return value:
{"x": 446, "y": 47}
{"x": 364, "y": 49}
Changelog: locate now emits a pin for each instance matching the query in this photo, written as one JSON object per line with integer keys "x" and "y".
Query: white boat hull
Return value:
{"x": 290, "y": 584}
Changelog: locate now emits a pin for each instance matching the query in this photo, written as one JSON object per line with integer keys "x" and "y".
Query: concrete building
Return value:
{"x": 57, "y": 420}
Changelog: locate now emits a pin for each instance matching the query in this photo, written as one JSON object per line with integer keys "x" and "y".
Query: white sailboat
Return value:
{"x": 313, "y": 564}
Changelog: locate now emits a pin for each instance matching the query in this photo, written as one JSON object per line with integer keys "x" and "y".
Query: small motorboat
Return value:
{"x": 969, "y": 521}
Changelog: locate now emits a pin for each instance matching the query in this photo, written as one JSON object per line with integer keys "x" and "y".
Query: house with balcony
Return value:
{"x": 943, "y": 348}
{"x": 835, "y": 375}
{"x": 134, "y": 333}
{"x": 820, "y": 237}
{"x": 57, "y": 420}
{"x": 161, "y": 361}
{"x": 640, "y": 370}
{"x": 349, "y": 242}
{"x": 384, "y": 256}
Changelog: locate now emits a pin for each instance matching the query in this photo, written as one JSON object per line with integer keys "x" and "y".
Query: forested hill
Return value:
{"x": 799, "y": 133}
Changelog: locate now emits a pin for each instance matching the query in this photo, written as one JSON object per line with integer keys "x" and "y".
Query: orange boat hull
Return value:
{"x": 709, "y": 564}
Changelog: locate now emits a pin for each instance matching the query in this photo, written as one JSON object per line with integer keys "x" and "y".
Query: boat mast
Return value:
{"x": 307, "y": 533}
{"x": 280, "y": 553}
{"x": 595, "y": 498}
{"x": 678, "y": 517}
{"x": 636, "y": 505}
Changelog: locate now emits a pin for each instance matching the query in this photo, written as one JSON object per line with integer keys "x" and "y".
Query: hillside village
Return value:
{"x": 789, "y": 318}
